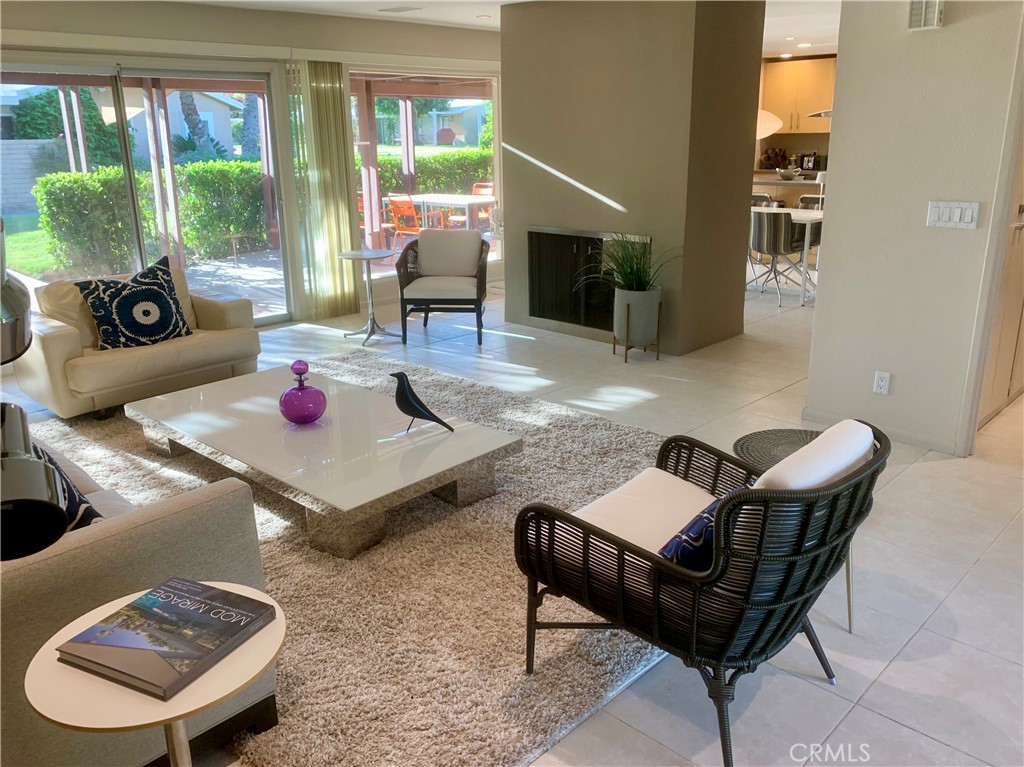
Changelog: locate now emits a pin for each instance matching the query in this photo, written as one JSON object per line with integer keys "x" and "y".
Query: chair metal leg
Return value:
{"x": 479, "y": 326}
{"x": 405, "y": 323}
{"x": 849, "y": 588}
{"x": 816, "y": 646}
{"x": 532, "y": 603}
{"x": 426, "y": 316}
{"x": 775, "y": 274}
{"x": 722, "y": 691}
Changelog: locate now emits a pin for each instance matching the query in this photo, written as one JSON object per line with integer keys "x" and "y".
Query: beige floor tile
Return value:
{"x": 1006, "y": 555}
{"x": 966, "y": 698}
{"x": 782, "y": 405}
{"x": 901, "y": 457}
{"x": 724, "y": 431}
{"x": 931, "y": 527}
{"x": 898, "y": 581}
{"x": 604, "y": 741}
{"x": 1006, "y": 425}
{"x": 772, "y": 711}
{"x": 865, "y": 737}
{"x": 985, "y": 611}
{"x": 999, "y": 454}
{"x": 956, "y": 482}
{"x": 856, "y": 659}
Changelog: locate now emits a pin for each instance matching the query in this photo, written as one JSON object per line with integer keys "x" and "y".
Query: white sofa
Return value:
{"x": 63, "y": 370}
{"x": 204, "y": 534}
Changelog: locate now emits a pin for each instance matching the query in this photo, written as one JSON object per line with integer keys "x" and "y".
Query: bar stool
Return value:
{"x": 772, "y": 233}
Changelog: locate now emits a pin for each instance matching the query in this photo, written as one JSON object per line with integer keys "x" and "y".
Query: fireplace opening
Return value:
{"x": 556, "y": 258}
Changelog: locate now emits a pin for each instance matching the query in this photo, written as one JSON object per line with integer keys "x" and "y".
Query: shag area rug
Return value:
{"x": 413, "y": 653}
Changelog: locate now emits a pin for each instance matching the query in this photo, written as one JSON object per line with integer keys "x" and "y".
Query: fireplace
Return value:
{"x": 556, "y": 257}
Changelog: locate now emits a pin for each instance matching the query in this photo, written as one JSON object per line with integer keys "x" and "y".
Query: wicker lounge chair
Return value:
{"x": 774, "y": 552}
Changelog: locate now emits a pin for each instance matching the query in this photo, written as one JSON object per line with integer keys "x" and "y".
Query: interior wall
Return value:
{"x": 216, "y": 24}
{"x": 604, "y": 93}
{"x": 930, "y": 110}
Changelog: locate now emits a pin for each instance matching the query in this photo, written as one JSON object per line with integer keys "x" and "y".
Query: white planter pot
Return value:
{"x": 643, "y": 316}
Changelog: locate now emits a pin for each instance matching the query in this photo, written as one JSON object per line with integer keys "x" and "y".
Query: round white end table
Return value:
{"x": 78, "y": 700}
{"x": 366, "y": 256}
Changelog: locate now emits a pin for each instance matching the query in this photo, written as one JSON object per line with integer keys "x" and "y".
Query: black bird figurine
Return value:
{"x": 412, "y": 405}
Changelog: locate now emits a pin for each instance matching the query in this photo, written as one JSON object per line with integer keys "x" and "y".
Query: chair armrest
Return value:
{"x": 711, "y": 469}
{"x": 439, "y": 214}
{"x": 40, "y": 370}
{"x": 212, "y": 314}
{"x": 481, "y": 270}
{"x": 407, "y": 266}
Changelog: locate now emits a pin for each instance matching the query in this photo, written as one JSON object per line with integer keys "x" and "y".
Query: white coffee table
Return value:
{"x": 347, "y": 469}
{"x": 78, "y": 700}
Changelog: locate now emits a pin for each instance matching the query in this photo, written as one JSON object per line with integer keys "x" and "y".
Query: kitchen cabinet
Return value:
{"x": 794, "y": 89}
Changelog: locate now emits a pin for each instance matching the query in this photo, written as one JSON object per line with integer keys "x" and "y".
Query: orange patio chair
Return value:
{"x": 408, "y": 220}
{"x": 387, "y": 229}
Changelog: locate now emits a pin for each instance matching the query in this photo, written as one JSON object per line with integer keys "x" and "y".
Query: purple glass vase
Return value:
{"x": 302, "y": 403}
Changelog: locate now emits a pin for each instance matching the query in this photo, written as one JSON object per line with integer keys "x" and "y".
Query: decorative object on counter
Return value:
{"x": 773, "y": 158}
{"x": 628, "y": 263}
{"x": 411, "y": 405}
{"x": 767, "y": 124}
{"x": 302, "y": 403}
{"x": 788, "y": 174}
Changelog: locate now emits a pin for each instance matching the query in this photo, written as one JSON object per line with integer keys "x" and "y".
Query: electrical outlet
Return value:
{"x": 881, "y": 382}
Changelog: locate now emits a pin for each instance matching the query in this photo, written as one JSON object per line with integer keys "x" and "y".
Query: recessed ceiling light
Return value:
{"x": 400, "y": 9}
{"x": 791, "y": 38}
{"x": 484, "y": 16}
{"x": 803, "y": 45}
{"x": 785, "y": 55}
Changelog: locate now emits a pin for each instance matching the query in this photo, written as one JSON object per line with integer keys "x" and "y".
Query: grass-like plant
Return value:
{"x": 626, "y": 262}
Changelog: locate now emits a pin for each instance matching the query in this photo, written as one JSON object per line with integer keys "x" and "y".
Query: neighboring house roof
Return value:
{"x": 233, "y": 103}
{"x": 11, "y": 94}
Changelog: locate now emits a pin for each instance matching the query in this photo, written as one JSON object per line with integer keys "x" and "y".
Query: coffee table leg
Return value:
{"x": 475, "y": 482}
{"x": 158, "y": 442}
{"x": 178, "y": 751}
{"x": 345, "y": 534}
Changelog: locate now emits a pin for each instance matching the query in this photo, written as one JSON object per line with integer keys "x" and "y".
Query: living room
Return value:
{"x": 931, "y": 614}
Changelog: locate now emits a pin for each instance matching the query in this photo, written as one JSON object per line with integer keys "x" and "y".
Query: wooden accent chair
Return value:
{"x": 444, "y": 271}
{"x": 408, "y": 220}
{"x": 460, "y": 221}
{"x": 776, "y": 540}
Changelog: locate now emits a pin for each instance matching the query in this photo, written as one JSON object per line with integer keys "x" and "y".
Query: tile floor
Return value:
{"x": 934, "y": 673}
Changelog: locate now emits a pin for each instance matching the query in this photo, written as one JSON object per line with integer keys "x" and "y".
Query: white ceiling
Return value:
{"x": 807, "y": 21}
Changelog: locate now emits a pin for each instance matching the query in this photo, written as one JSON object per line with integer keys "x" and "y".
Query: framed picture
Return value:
{"x": 807, "y": 162}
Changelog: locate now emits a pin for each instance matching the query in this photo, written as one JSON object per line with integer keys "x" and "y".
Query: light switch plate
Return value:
{"x": 956, "y": 215}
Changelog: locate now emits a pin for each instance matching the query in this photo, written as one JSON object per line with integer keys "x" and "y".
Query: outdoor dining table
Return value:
{"x": 806, "y": 217}
{"x": 470, "y": 203}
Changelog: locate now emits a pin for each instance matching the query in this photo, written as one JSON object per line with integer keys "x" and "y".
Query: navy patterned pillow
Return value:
{"x": 139, "y": 311}
{"x": 79, "y": 511}
{"x": 693, "y": 547}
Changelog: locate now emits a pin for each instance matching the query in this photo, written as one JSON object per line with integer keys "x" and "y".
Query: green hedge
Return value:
{"x": 218, "y": 199}
{"x": 454, "y": 172}
{"x": 87, "y": 220}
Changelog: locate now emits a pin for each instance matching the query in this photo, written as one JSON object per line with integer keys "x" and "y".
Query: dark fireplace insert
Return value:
{"x": 556, "y": 258}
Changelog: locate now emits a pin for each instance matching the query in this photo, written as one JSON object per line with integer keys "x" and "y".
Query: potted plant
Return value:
{"x": 627, "y": 262}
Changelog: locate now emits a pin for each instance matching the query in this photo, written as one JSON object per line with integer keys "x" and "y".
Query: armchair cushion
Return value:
{"x": 647, "y": 510}
{"x": 837, "y": 451}
{"x": 449, "y": 253}
{"x": 80, "y": 512}
{"x": 139, "y": 311}
{"x": 442, "y": 287}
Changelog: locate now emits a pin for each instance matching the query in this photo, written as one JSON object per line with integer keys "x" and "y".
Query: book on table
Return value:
{"x": 168, "y": 637}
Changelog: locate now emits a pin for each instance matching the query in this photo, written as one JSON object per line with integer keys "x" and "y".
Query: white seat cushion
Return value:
{"x": 648, "y": 510}
{"x": 98, "y": 371}
{"x": 448, "y": 252}
{"x": 838, "y": 451}
{"x": 441, "y": 287}
{"x": 110, "y": 503}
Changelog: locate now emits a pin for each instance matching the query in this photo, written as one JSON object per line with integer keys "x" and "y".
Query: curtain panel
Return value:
{"x": 319, "y": 120}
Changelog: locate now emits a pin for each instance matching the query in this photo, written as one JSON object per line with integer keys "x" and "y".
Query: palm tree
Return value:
{"x": 196, "y": 126}
{"x": 250, "y": 126}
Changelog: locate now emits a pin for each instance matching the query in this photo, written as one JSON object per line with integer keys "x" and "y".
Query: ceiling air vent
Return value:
{"x": 401, "y": 9}
{"x": 925, "y": 14}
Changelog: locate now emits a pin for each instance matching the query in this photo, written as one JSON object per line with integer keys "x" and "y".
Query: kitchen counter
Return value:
{"x": 776, "y": 181}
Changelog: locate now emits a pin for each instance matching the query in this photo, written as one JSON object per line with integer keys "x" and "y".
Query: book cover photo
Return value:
{"x": 168, "y": 637}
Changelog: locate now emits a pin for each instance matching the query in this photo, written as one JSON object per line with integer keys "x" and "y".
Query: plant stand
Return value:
{"x": 626, "y": 346}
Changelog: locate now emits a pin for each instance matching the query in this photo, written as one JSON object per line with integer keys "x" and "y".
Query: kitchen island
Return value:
{"x": 768, "y": 182}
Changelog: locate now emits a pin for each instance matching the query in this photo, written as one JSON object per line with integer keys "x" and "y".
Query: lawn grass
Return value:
{"x": 25, "y": 246}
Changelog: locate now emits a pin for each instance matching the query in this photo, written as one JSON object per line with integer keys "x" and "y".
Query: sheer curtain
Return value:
{"x": 320, "y": 129}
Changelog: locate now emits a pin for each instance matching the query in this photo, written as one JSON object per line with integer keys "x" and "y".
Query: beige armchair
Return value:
{"x": 444, "y": 271}
{"x": 63, "y": 370}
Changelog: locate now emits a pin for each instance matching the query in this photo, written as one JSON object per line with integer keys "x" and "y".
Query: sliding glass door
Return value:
{"x": 197, "y": 184}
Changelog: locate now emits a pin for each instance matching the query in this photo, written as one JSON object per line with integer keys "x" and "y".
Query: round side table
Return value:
{"x": 366, "y": 256}
{"x": 78, "y": 700}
